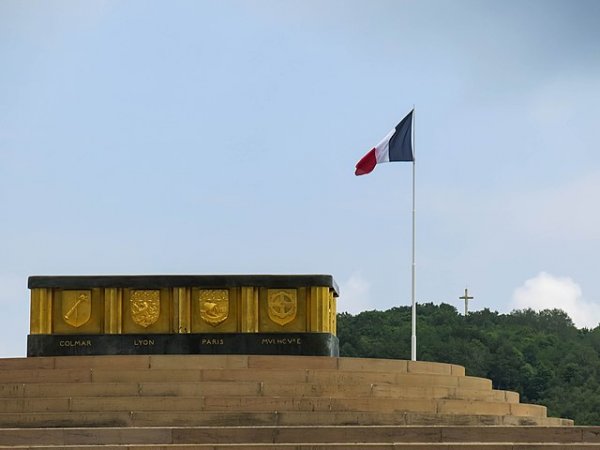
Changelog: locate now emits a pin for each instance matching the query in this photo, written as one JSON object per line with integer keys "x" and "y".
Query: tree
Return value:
{"x": 541, "y": 355}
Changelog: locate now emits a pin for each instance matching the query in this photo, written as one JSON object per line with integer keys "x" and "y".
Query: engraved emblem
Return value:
{"x": 282, "y": 305}
{"x": 76, "y": 307}
{"x": 214, "y": 305}
{"x": 145, "y": 307}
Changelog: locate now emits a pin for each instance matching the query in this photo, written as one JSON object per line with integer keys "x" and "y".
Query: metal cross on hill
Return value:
{"x": 466, "y": 298}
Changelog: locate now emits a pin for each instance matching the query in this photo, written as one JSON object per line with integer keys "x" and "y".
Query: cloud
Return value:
{"x": 355, "y": 295}
{"x": 546, "y": 291}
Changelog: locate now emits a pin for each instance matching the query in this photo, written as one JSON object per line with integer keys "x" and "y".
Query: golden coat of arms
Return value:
{"x": 282, "y": 305}
{"x": 214, "y": 305}
{"x": 145, "y": 307}
{"x": 76, "y": 307}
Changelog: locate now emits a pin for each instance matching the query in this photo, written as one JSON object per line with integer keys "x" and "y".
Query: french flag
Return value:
{"x": 396, "y": 146}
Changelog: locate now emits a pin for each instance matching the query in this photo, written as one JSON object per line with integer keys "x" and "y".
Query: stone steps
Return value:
{"x": 328, "y": 446}
{"x": 248, "y": 388}
{"x": 171, "y": 437}
{"x": 183, "y": 362}
{"x": 266, "y": 402}
{"x": 192, "y": 390}
{"x": 245, "y": 418}
{"x": 336, "y": 377}
{"x": 325, "y": 446}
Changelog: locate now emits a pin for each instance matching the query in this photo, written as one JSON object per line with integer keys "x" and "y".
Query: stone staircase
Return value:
{"x": 246, "y": 402}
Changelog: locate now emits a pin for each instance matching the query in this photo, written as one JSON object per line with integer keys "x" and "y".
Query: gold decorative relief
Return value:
{"x": 145, "y": 307}
{"x": 214, "y": 305}
{"x": 282, "y": 305}
{"x": 76, "y": 307}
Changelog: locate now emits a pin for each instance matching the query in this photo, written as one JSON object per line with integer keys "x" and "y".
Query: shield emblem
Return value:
{"x": 214, "y": 305}
{"x": 76, "y": 307}
{"x": 145, "y": 307}
{"x": 282, "y": 305}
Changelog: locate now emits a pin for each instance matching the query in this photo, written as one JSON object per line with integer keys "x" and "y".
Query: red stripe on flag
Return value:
{"x": 366, "y": 164}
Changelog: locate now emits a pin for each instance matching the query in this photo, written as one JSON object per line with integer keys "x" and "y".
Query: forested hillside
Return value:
{"x": 543, "y": 356}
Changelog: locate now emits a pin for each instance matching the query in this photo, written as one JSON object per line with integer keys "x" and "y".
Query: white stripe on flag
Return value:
{"x": 382, "y": 150}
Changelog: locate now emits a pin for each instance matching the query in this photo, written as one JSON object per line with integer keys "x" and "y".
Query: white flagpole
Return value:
{"x": 413, "y": 352}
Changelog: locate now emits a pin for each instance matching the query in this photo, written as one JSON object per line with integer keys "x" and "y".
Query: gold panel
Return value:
{"x": 113, "y": 311}
{"x": 147, "y": 311}
{"x": 76, "y": 307}
{"x": 144, "y": 306}
{"x": 282, "y": 305}
{"x": 41, "y": 311}
{"x": 182, "y": 310}
{"x": 78, "y": 311}
{"x": 282, "y": 310}
{"x": 319, "y": 309}
{"x": 249, "y": 310}
{"x": 214, "y": 305}
{"x": 182, "y": 318}
{"x": 332, "y": 314}
{"x": 215, "y": 310}
{"x": 325, "y": 310}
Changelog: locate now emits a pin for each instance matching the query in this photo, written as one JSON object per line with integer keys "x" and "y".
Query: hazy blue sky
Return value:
{"x": 200, "y": 137}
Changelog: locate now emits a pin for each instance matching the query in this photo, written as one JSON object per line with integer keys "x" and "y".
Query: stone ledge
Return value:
{"x": 174, "y": 281}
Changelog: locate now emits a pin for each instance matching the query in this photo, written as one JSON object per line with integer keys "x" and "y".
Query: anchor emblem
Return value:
{"x": 76, "y": 307}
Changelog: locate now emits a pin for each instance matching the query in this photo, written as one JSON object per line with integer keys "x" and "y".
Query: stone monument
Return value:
{"x": 238, "y": 361}
{"x": 183, "y": 314}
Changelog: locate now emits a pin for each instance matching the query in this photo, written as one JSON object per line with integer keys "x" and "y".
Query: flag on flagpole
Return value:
{"x": 396, "y": 146}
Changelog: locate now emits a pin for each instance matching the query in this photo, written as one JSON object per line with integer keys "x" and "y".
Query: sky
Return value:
{"x": 205, "y": 137}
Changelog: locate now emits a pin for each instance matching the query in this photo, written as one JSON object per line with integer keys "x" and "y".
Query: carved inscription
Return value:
{"x": 145, "y": 307}
{"x": 75, "y": 343}
{"x": 281, "y": 341}
{"x": 282, "y": 305}
{"x": 212, "y": 341}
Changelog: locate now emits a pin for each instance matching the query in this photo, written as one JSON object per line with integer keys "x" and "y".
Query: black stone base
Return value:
{"x": 307, "y": 344}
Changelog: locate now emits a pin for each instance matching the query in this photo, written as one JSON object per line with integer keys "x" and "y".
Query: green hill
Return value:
{"x": 543, "y": 356}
